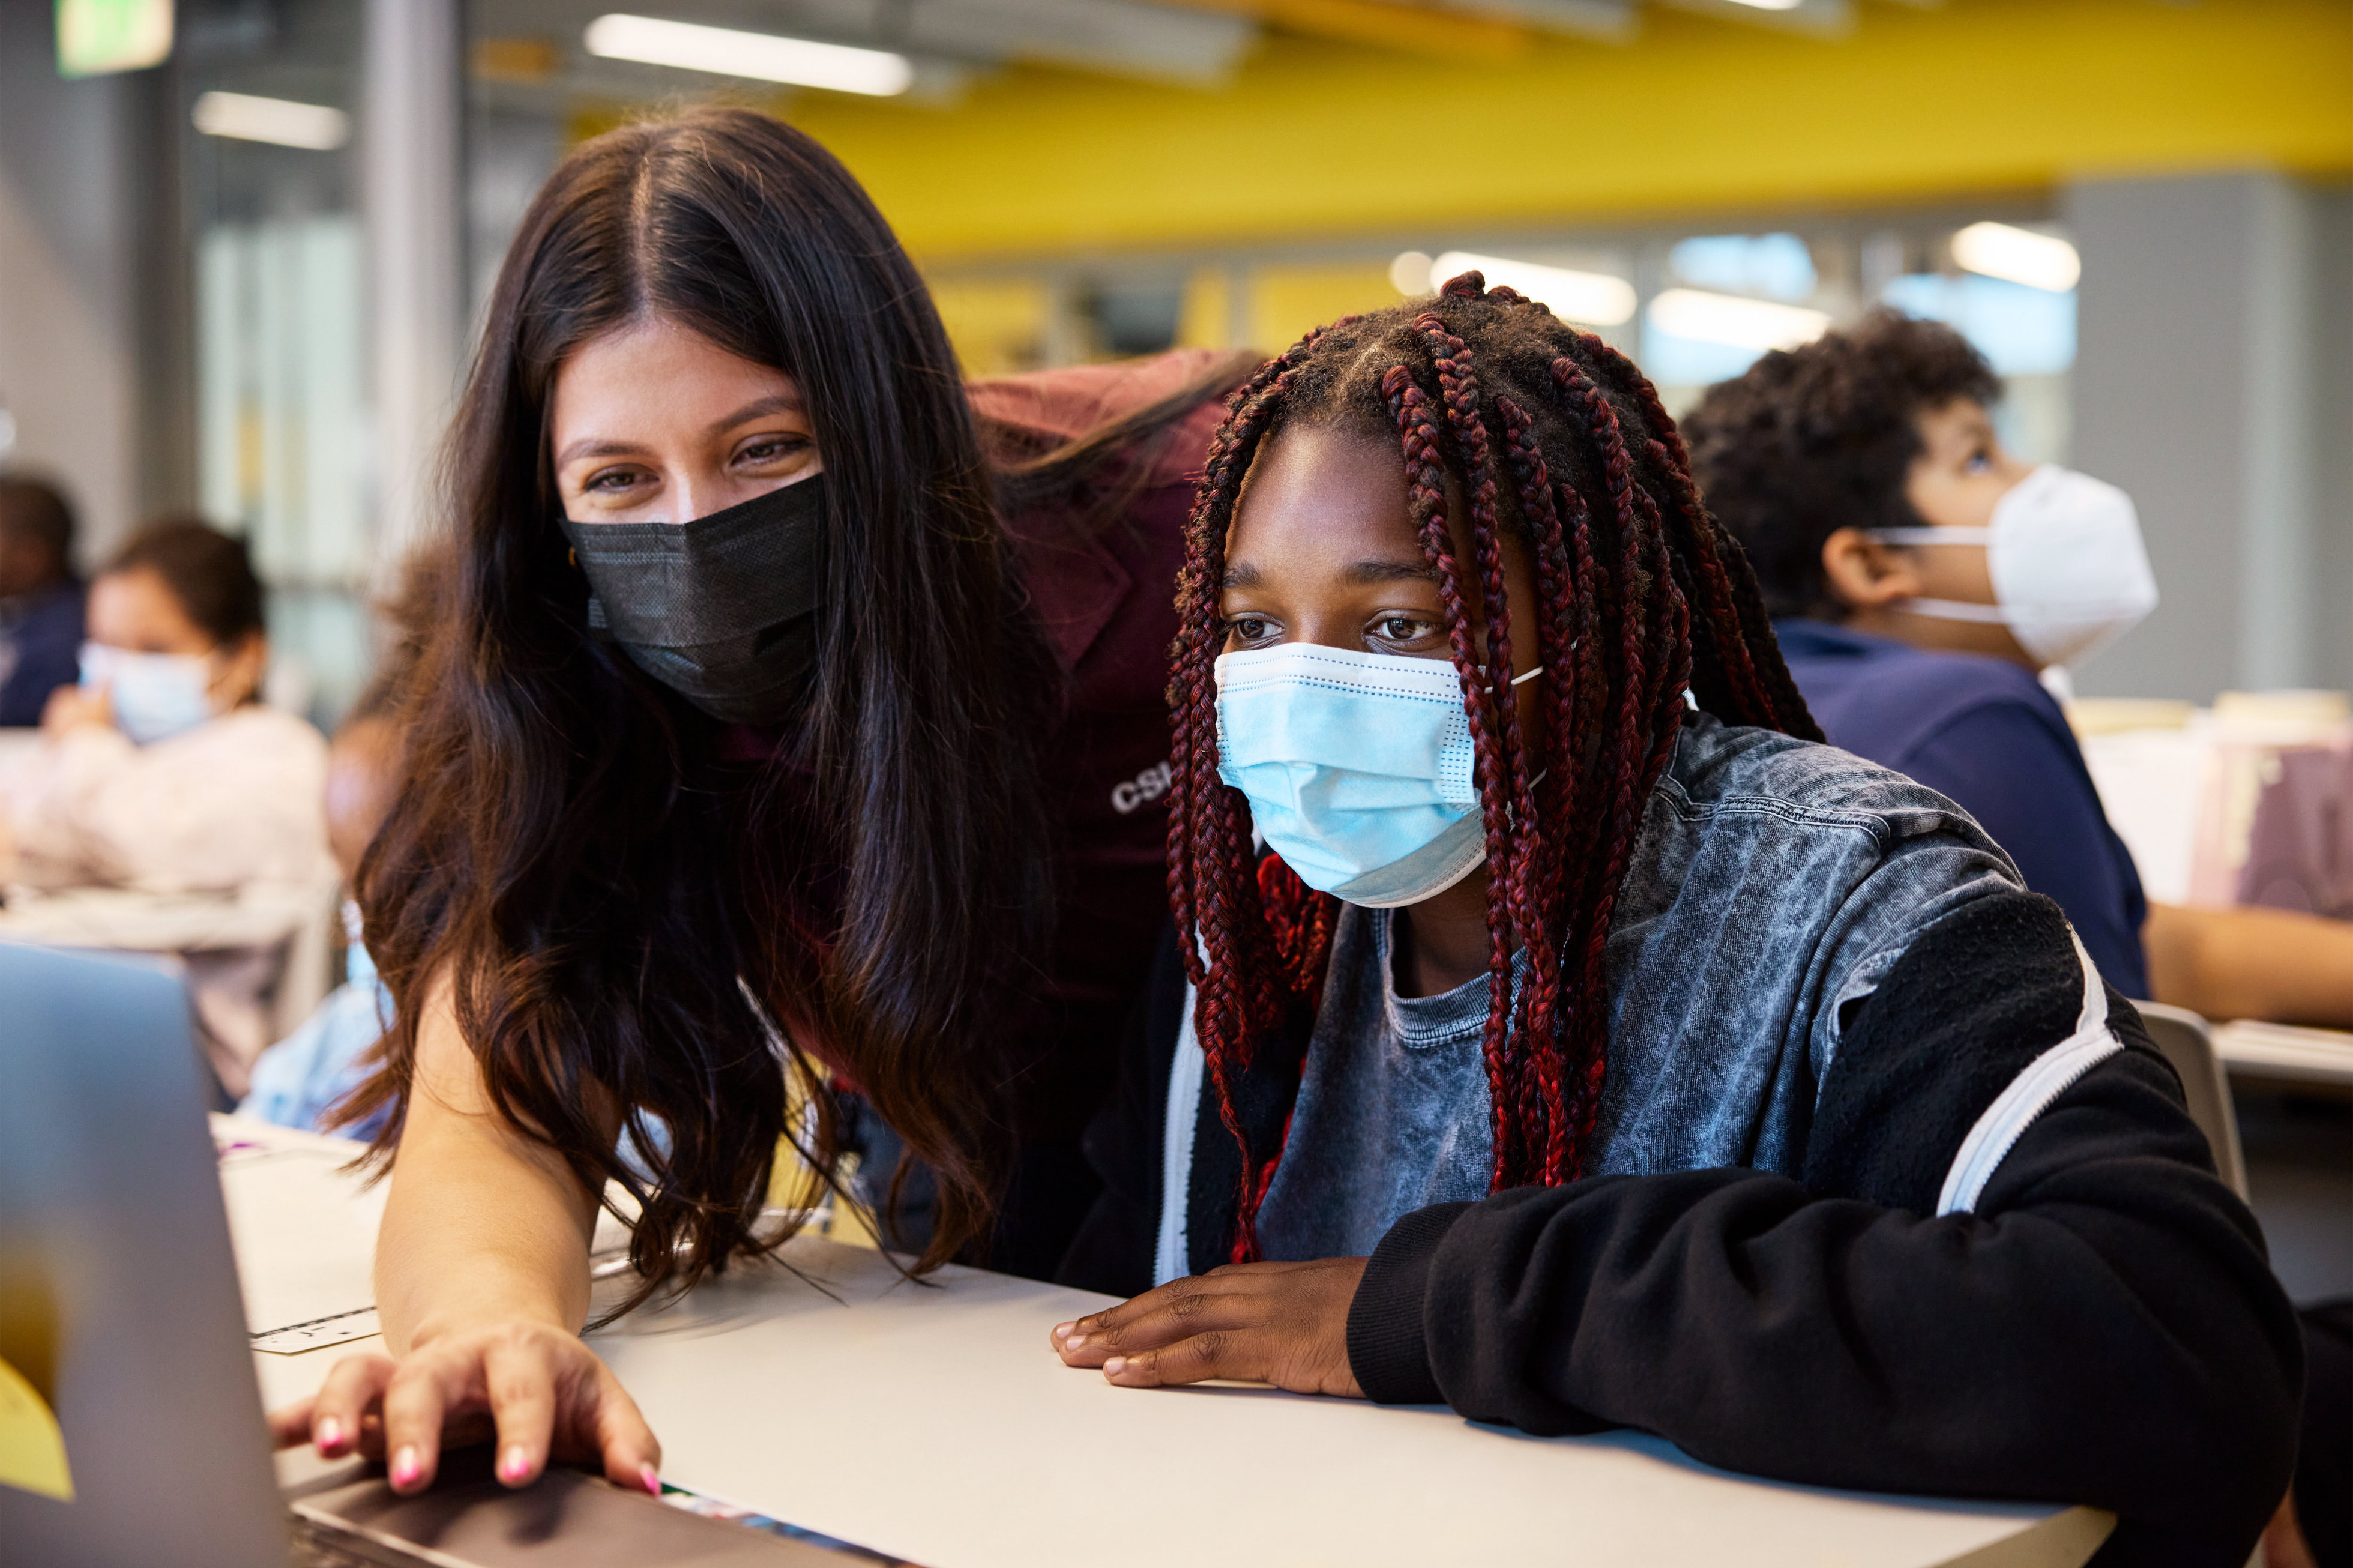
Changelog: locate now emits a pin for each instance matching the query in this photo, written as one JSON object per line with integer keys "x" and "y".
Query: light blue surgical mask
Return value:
{"x": 1358, "y": 767}
{"x": 155, "y": 695}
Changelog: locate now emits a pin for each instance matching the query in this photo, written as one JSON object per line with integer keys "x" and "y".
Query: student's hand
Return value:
{"x": 2283, "y": 1544}
{"x": 1283, "y": 1323}
{"x": 538, "y": 1390}
{"x": 71, "y": 707}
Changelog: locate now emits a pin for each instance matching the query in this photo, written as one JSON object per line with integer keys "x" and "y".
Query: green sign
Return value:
{"x": 95, "y": 37}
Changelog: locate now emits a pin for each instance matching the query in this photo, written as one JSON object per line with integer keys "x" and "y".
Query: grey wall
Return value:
{"x": 2204, "y": 385}
{"x": 2333, "y": 440}
{"x": 68, "y": 323}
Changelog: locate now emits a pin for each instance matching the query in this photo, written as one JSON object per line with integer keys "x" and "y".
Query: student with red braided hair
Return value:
{"x": 1591, "y": 1047}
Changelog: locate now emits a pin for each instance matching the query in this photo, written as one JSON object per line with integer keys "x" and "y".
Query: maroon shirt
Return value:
{"x": 1104, "y": 589}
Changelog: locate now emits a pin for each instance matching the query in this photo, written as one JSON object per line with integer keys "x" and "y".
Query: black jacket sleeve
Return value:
{"x": 1113, "y": 1251}
{"x": 2324, "y": 1459}
{"x": 2101, "y": 1329}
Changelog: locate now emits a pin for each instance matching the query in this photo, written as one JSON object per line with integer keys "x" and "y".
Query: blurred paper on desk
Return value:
{"x": 2248, "y": 803}
{"x": 2276, "y": 815}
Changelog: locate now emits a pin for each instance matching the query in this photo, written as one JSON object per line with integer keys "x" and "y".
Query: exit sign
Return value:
{"x": 95, "y": 37}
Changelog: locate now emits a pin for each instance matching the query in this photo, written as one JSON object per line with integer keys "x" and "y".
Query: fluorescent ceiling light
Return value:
{"x": 1736, "y": 321}
{"x": 96, "y": 37}
{"x": 1770, "y": 4}
{"x": 2019, "y": 255}
{"x": 1595, "y": 298}
{"x": 278, "y": 119}
{"x": 764, "y": 56}
{"x": 1409, "y": 273}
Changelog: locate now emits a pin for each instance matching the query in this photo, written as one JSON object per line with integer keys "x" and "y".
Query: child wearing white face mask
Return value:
{"x": 1922, "y": 579}
{"x": 163, "y": 772}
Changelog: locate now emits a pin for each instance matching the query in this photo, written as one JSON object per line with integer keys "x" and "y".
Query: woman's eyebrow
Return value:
{"x": 1240, "y": 575}
{"x": 597, "y": 445}
{"x": 759, "y": 407}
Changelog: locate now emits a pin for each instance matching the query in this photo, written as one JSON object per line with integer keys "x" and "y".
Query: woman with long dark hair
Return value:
{"x": 797, "y": 725}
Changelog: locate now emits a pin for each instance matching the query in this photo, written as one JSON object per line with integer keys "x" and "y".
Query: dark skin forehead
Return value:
{"x": 1324, "y": 536}
{"x": 1339, "y": 494}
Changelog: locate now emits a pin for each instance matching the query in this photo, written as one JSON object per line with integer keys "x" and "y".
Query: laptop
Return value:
{"x": 130, "y": 1423}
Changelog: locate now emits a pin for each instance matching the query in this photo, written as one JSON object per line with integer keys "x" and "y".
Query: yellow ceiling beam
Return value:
{"x": 1438, "y": 35}
{"x": 1317, "y": 138}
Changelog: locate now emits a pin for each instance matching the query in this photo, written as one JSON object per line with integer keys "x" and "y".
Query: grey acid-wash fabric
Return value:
{"x": 1773, "y": 885}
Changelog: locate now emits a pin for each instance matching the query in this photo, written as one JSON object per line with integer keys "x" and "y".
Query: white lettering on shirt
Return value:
{"x": 1141, "y": 790}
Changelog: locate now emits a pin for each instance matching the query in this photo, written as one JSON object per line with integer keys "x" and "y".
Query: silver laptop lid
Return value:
{"x": 118, "y": 1290}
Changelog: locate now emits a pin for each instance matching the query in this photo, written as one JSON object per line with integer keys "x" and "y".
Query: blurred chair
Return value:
{"x": 2184, "y": 1039}
{"x": 259, "y": 962}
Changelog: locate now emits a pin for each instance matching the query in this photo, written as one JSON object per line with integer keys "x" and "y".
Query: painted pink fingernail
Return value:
{"x": 328, "y": 1436}
{"x": 652, "y": 1481}
{"x": 515, "y": 1466}
{"x": 405, "y": 1468}
{"x": 1114, "y": 1366}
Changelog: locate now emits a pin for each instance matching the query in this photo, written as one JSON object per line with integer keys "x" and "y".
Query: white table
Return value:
{"x": 302, "y": 921}
{"x": 932, "y": 1423}
{"x": 2284, "y": 1051}
{"x": 128, "y": 919}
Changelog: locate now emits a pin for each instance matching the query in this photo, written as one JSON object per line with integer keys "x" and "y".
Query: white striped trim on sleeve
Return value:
{"x": 1170, "y": 1253}
{"x": 2042, "y": 1081}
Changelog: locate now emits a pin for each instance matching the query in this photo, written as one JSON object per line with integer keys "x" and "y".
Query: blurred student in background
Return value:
{"x": 298, "y": 1081}
{"x": 162, "y": 771}
{"x": 40, "y": 600}
{"x": 1922, "y": 579}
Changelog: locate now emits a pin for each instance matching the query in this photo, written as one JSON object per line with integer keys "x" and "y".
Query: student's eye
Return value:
{"x": 1248, "y": 628}
{"x": 1403, "y": 628}
{"x": 1981, "y": 461}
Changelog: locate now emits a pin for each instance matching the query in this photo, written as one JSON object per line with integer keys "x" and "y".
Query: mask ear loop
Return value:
{"x": 1520, "y": 680}
{"x": 1931, "y": 536}
{"x": 1516, "y": 682}
{"x": 1955, "y": 610}
{"x": 1943, "y": 608}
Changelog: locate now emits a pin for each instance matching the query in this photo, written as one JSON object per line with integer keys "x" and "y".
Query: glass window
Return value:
{"x": 282, "y": 390}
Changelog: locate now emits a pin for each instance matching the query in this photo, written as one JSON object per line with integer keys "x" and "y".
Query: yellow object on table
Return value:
{"x": 32, "y": 1447}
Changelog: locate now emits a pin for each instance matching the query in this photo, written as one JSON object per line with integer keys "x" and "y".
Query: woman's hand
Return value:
{"x": 538, "y": 1390}
{"x": 1283, "y": 1323}
{"x": 481, "y": 1283}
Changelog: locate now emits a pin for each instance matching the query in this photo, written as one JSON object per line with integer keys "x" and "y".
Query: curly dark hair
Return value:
{"x": 1813, "y": 439}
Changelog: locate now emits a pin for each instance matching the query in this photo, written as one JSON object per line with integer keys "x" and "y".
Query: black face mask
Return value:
{"x": 723, "y": 609}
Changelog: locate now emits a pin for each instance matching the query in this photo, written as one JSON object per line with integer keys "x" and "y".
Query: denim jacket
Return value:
{"x": 1772, "y": 886}
{"x": 1889, "y": 1190}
